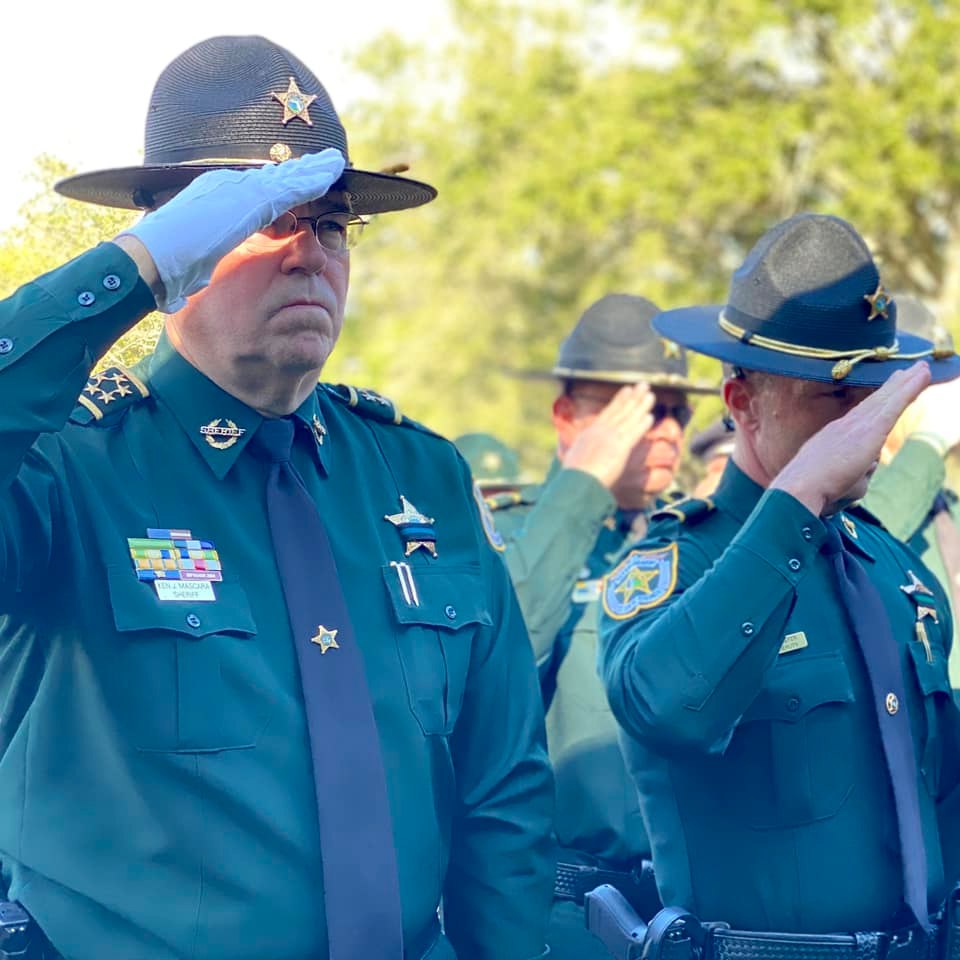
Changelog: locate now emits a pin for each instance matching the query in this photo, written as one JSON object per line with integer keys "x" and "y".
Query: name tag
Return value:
{"x": 586, "y": 591}
{"x": 192, "y": 590}
{"x": 793, "y": 641}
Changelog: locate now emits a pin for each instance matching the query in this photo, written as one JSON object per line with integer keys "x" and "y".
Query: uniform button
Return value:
{"x": 86, "y": 298}
{"x": 806, "y": 533}
{"x": 6, "y": 345}
{"x": 892, "y": 704}
{"x": 111, "y": 282}
{"x": 794, "y": 564}
{"x": 793, "y": 704}
{"x": 193, "y": 620}
{"x": 747, "y": 628}
{"x": 450, "y": 612}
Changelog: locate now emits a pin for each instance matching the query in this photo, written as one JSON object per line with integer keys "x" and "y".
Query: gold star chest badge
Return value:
{"x": 325, "y": 639}
{"x": 295, "y": 102}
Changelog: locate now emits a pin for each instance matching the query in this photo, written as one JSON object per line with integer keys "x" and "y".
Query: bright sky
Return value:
{"x": 78, "y": 88}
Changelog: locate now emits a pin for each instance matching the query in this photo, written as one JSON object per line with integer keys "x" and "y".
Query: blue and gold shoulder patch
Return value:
{"x": 688, "y": 510}
{"x": 642, "y": 580}
{"x": 486, "y": 519}
{"x": 108, "y": 393}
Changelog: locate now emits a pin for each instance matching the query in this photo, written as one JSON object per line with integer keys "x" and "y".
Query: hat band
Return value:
{"x": 846, "y": 359}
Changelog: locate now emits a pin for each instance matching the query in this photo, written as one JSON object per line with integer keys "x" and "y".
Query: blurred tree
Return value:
{"x": 51, "y": 230}
{"x": 583, "y": 147}
{"x": 642, "y": 147}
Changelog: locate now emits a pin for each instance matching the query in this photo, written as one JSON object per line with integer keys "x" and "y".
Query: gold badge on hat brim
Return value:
{"x": 879, "y": 302}
{"x": 295, "y": 102}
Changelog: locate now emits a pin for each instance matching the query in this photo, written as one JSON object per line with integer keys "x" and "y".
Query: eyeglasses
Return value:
{"x": 331, "y": 234}
{"x": 679, "y": 411}
{"x": 660, "y": 411}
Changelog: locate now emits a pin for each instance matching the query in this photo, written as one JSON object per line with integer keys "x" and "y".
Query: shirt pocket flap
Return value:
{"x": 448, "y": 598}
{"x": 795, "y": 688}
{"x": 136, "y": 606}
{"x": 931, "y": 670}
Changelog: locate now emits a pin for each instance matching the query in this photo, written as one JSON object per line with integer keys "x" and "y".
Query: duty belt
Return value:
{"x": 676, "y": 934}
{"x": 574, "y": 881}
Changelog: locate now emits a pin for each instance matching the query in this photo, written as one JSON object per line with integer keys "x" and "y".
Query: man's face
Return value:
{"x": 274, "y": 307}
{"x": 786, "y": 412}
{"x": 653, "y": 462}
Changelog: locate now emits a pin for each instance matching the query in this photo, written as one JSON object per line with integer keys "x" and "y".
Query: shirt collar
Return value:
{"x": 736, "y": 493}
{"x": 219, "y": 425}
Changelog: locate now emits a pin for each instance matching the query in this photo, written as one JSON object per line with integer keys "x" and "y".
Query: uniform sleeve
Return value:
{"x": 902, "y": 492}
{"x": 499, "y": 883}
{"x": 683, "y": 672}
{"x": 546, "y": 554}
{"x": 52, "y": 331}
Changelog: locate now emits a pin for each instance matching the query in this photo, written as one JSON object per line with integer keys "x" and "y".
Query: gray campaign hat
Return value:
{"x": 491, "y": 460}
{"x": 808, "y": 303}
{"x": 238, "y": 102}
{"x": 614, "y": 341}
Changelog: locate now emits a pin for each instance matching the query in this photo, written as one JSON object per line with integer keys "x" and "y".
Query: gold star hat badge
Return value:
{"x": 325, "y": 639}
{"x": 643, "y": 579}
{"x": 879, "y": 302}
{"x": 295, "y": 102}
{"x": 415, "y": 529}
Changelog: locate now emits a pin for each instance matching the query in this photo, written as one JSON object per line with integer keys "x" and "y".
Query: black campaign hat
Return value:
{"x": 238, "y": 102}
{"x": 614, "y": 342}
{"x": 808, "y": 303}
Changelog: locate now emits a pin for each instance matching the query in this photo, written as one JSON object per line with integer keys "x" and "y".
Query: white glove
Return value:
{"x": 188, "y": 236}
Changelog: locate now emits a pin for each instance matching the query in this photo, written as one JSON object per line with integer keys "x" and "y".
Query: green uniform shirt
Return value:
{"x": 903, "y": 494}
{"x": 156, "y": 791}
{"x": 751, "y": 729}
{"x": 561, "y": 539}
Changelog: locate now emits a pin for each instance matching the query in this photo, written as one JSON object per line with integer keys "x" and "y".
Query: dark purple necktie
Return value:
{"x": 361, "y": 887}
{"x": 881, "y": 654}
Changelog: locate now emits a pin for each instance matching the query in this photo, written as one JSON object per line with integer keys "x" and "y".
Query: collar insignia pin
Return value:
{"x": 325, "y": 639}
{"x": 849, "y": 526}
{"x": 879, "y": 302}
{"x": 295, "y": 102}
{"x": 915, "y": 586}
{"x": 415, "y": 528}
{"x": 222, "y": 434}
{"x": 319, "y": 430}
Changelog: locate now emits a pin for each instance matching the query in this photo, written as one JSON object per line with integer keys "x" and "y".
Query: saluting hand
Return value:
{"x": 603, "y": 448}
{"x": 187, "y": 236}
{"x": 835, "y": 464}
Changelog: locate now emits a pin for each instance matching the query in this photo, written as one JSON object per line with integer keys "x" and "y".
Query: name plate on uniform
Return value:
{"x": 793, "y": 641}
{"x": 193, "y": 590}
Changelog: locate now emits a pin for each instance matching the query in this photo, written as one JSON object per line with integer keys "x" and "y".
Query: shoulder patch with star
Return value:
{"x": 108, "y": 394}
{"x": 493, "y": 536}
{"x": 642, "y": 580}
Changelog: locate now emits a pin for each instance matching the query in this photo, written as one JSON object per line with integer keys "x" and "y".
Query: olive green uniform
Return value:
{"x": 156, "y": 786}
{"x": 750, "y": 722}
{"x": 561, "y": 538}
{"x": 903, "y": 495}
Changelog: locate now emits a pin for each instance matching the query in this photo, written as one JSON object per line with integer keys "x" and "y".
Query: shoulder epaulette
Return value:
{"x": 368, "y": 403}
{"x": 688, "y": 510}
{"x": 108, "y": 395}
{"x": 503, "y": 498}
{"x": 375, "y": 406}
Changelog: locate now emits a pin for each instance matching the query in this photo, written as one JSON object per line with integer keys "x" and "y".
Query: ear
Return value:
{"x": 564, "y": 415}
{"x": 739, "y": 397}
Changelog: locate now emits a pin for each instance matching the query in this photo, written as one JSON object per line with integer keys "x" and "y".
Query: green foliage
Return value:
{"x": 592, "y": 146}
{"x": 637, "y": 147}
{"x": 51, "y": 230}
